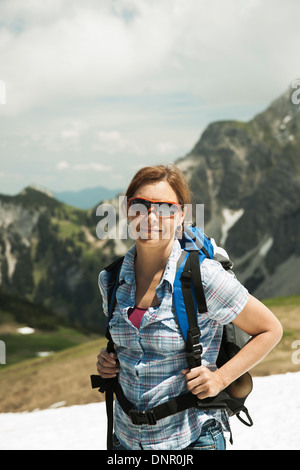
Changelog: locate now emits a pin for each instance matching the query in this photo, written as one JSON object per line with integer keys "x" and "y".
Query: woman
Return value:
{"x": 150, "y": 357}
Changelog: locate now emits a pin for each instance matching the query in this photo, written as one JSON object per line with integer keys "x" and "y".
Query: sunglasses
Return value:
{"x": 163, "y": 209}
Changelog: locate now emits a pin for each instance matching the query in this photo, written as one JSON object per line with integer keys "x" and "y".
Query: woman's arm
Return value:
{"x": 266, "y": 331}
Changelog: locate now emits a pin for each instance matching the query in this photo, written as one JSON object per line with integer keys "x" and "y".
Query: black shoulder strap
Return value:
{"x": 191, "y": 279}
{"x": 197, "y": 281}
{"x": 114, "y": 270}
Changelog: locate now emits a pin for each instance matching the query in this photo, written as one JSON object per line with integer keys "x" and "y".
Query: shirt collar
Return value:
{"x": 127, "y": 272}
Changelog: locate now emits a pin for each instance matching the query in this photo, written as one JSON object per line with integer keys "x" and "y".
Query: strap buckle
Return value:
{"x": 142, "y": 417}
{"x": 193, "y": 340}
{"x": 103, "y": 384}
{"x": 194, "y": 348}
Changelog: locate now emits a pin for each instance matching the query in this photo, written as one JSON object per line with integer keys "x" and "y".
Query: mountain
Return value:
{"x": 50, "y": 255}
{"x": 247, "y": 174}
{"x": 86, "y": 198}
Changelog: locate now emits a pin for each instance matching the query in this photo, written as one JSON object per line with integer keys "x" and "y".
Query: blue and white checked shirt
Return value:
{"x": 152, "y": 357}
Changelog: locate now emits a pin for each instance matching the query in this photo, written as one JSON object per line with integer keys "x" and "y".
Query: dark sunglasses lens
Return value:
{"x": 141, "y": 206}
{"x": 138, "y": 206}
{"x": 166, "y": 209}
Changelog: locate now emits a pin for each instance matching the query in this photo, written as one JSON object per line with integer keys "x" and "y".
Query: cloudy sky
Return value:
{"x": 96, "y": 89}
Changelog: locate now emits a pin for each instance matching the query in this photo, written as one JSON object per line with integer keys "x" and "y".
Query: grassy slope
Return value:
{"x": 42, "y": 382}
{"x": 279, "y": 361}
{"x": 64, "y": 377}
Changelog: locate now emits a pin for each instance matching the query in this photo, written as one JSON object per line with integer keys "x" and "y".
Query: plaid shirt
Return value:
{"x": 153, "y": 356}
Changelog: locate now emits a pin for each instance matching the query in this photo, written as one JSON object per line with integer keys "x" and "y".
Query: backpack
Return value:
{"x": 188, "y": 299}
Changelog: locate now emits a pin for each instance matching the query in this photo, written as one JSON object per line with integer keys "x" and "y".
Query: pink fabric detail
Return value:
{"x": 135, "y": 315}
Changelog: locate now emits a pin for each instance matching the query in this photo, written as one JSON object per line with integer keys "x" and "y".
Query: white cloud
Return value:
{"x": 113, "y": 142}
{"x": 53, "y": 52}
{"x": 113, "y": 83}
{"x": 166, "y": 148}
{"x": 69, "y": 134}
{"x": 72, "y": 50}
{"x": 89, "y": 52}
{"x": 92, "y": 166}
{"x": 62, "y": 165}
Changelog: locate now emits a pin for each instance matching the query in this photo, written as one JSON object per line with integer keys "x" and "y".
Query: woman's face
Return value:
{"x": 148, "y": 227}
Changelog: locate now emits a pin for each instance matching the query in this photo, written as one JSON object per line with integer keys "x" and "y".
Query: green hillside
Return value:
{"x": 42, "y": 382}
{"x": 50, "y": 255}
{"x": 51, "y": 333}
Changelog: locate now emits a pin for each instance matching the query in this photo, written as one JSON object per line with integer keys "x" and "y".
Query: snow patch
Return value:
{"x": 286, "y": 119}
{"x": 10, "y": 258}
{"x": 44, "y": 353}
{"x": 266, "y": 247}
{"x": 59, "y": 404}
{"x": 26, "y": 330}
{"x": 274, "y": 406}
{"x": 230, "y": 218}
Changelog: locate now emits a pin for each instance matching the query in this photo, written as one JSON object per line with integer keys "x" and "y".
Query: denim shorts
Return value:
{"x": 211, "y": 438}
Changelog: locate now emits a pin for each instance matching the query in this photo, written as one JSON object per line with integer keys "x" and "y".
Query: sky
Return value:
{"x": 94, "y": 90}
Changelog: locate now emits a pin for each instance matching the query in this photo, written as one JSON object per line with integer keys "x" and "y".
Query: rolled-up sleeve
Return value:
{"x": 102, "y": 283}
{"x": 225, "y": 296}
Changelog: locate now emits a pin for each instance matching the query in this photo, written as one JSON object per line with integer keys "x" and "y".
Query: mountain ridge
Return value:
{"x": 252, "y": 170}
{"x": 247, "y": 175}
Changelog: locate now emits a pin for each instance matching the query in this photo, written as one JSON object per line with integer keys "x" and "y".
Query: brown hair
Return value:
{"x": 169, "y": 173}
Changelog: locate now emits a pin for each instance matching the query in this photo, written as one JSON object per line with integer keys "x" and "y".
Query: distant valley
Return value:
{"x": 86, "y": 198}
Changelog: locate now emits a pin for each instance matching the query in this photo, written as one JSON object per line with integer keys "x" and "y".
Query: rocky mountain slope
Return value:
{"x": 50, "y": 255}
{"x": 247, "y": 174}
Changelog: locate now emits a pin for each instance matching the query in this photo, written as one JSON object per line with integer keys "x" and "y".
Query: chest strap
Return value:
{"x": 169, "y": 408}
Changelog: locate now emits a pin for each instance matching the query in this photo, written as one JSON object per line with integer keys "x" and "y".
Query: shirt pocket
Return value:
{"x": 123, "y": 335}
{"x": 168, "y": 337}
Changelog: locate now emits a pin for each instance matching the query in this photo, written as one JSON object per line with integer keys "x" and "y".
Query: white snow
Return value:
{"x": 26, "y": 330}
{"x": 230, "y": 218}
{"x": 44, "y": 353}
{"x": 274, "y": 406}
{"x": 266, "y": 247}
{"x": 286, "y": 119}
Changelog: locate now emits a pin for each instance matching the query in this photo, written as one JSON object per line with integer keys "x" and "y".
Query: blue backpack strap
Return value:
{"x": 188, "y": 293}
{"x": 186, "y": 305}
{"x": 194, "y": 238}
{"x": 178, "y": 300}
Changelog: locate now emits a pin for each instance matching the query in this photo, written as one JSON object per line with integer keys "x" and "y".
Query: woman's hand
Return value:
{"x": 203, "y": 382}
{"x": 265, "y": 331}
{"x": 108, "y": 364}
